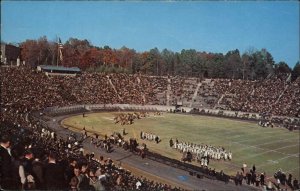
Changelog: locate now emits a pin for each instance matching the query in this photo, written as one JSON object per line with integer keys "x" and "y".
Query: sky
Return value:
{"x": 217, "y": 27}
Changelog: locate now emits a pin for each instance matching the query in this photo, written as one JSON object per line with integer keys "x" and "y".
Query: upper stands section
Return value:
{"x": 24, "y": 89}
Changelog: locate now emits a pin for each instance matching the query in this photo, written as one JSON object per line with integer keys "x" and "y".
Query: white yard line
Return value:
{"x": 247, "y": 146}
{"x": 249, "y": 139}
{"x": 268, "y": 151}
{"x": 258, "y": 133}
{"x": 275, "y": 141}
{"x": 256, "y": 146}
{"x": 275, "y": 161}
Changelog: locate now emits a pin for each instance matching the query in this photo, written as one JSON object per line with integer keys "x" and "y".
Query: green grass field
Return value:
{"x": 268, "y": 148}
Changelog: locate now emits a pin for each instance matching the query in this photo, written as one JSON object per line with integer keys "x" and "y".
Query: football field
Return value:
{"x": 269, "y": 149}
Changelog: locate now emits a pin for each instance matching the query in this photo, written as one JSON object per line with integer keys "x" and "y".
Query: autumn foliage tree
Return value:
{"x": 252, "y": 64}
{"x": 37, "y": 52}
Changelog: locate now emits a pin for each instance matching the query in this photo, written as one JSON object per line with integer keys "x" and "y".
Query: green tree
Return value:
{"x": 152, "y": 62}
{"x": 188, "y": 60}
{"x": 137, "y": 61}
{"x": 296, "y": 71}
{"x": 233, "y": 64}
{"x": 263, "y": 64}
{"x": 215, "y": 65}
{"x": 282, "y": 67}
{"x": 168, "y": 59}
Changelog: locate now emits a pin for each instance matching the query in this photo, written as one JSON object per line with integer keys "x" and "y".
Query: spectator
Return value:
{"x": 5, "y": 163}
{"x": 94, "y": 181}
{"x": 73, "y": 185}
{"x": 54, "y": 174}
{"x": 38, "y": 169}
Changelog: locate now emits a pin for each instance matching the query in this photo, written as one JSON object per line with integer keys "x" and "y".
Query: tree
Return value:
{"x": 188, "y": 59}
{"x": 37, "y": 52}
{"x": 282, "y": 67}
{"x": 125, "y": 57}
{"x": 246, "y": 69}
{"x": 296, "y": 71}
{"x": 268, "y": 60}
{"x": 91, "y": 58}
{"x": 233, "y": 64}
{"x": 73, "y": 50}
{"x": 137, "y": 62}
{"x": 253, "y": 64}
{"x": 249, "y": 62}
{"x": 152, "y": 62}
{"x": 214, "y": 66}
{"x": 261, "y": 64}
{"x": 178, "y": 66}
{"x": 168, "y": 59}
{"x": 28, "y": 51}
{"x": 109, "y": 56}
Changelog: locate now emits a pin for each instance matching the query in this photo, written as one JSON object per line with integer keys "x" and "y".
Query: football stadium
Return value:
{"x": 195, "y": 143}
{"x": 80, "y": 116}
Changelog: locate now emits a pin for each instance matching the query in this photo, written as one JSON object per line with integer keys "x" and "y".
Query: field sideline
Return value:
{"x": 268, "y": 148}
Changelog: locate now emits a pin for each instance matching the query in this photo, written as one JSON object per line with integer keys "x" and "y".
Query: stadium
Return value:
{"x": 128, "y": 121}
{"x": 149, "y": 96}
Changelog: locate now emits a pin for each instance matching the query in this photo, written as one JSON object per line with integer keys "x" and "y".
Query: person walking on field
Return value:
{"x": 244, "y": 167}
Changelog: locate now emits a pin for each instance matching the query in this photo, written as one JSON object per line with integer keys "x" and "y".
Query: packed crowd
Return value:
{"x": 239, "y": 95}
{"x": 24, "y": 90}
{"x": 34, "y": 158}
{"x": 182, "y": 89}
{"x": 275, "y": 95}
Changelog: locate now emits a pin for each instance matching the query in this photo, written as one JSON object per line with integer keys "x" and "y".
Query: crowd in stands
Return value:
{"x": 32, "y": 157}
{"x": 274, "y": 95}
{"x": 24, "y": 90}
{"x": 182, "y": 89}
{"x": 20, "y": 87}
{"x": 154, "y": 89}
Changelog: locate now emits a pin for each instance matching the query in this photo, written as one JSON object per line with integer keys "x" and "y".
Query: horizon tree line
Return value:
{"x": 251, "y": 65}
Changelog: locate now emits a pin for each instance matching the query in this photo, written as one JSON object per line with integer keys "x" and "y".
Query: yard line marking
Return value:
{"x": 268, "y": 151}
{"x": 275, "y": 141}
{"x": 229, "y": 130}
{"x": 215, "y": 131}
{"x": 252, "y": 146}
{"x": 247, "y": 146}
{"x": 268, "y": 163}
{"x": 255, "y": 130}
{"x": 245, "y": 140}
{"x": 261, "y": 144}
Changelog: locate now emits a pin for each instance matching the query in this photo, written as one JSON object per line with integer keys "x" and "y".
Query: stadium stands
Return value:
{"x": 24, "y": 90}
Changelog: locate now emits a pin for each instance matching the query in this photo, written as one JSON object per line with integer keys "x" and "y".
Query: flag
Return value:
{"x": 60, "y": 47}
